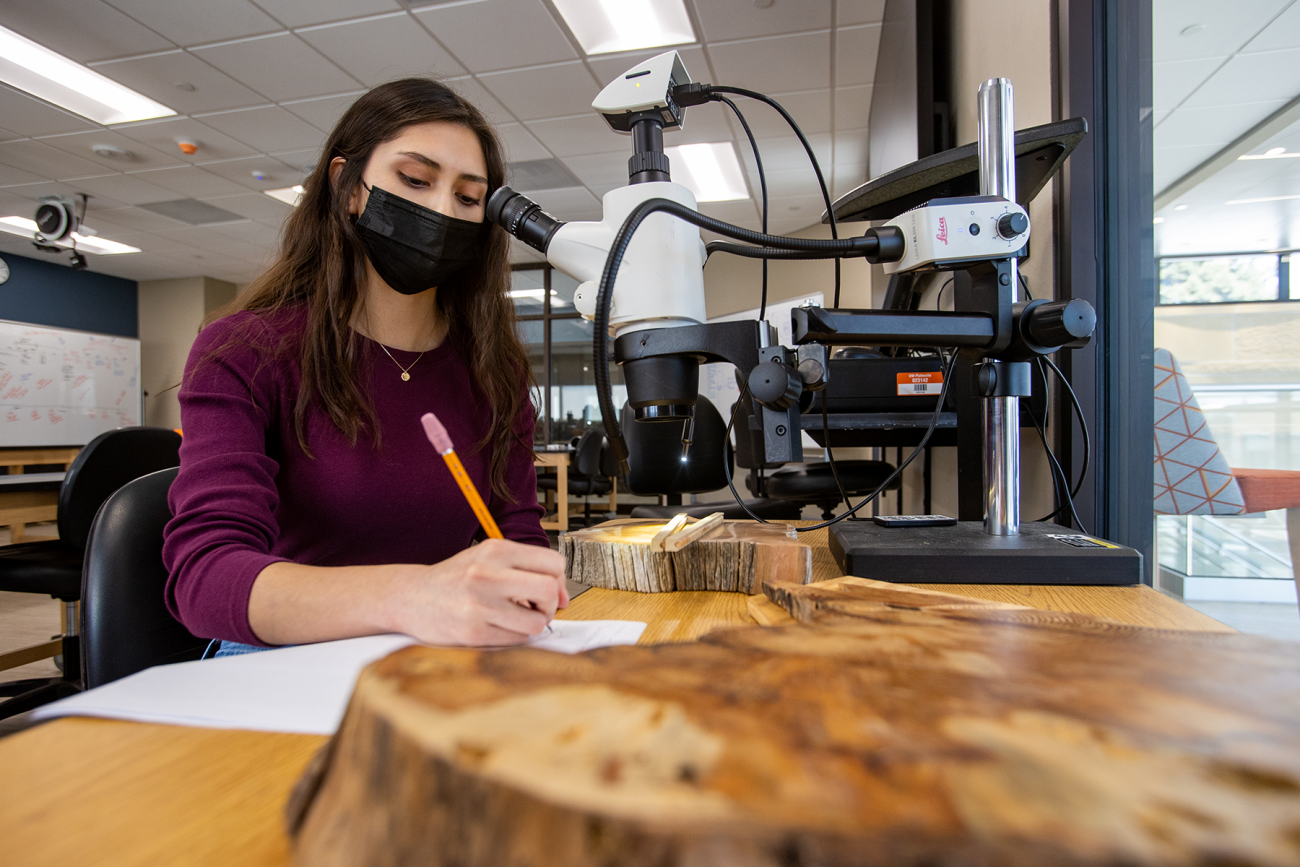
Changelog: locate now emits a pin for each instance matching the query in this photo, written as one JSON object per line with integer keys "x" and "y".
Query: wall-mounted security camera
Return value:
{"x": 56, "y": 219}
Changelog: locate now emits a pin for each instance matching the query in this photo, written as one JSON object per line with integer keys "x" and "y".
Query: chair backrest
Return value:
{"x": 125, "y": 624}
{"x": 586, "y": 460}
{"x": 107, "y": 463}
{"x": 655, "y": 453}
{"x": 1192, "y": 476}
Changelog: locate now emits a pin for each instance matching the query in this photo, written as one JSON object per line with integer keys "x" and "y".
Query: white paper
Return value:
{"x": 302, "y": 689}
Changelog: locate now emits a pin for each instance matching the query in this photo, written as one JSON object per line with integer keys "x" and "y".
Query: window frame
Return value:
{"x": 1284, "y": 292}
{"x": 546, "y": 317}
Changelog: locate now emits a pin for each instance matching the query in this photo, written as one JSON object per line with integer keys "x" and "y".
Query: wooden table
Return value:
{"x": 119, "y": 793}
{"x": 19, "y": 508}
{"x": 560, "y": 461}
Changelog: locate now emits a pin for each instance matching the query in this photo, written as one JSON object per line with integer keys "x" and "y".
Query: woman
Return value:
{"x": 309, "y": 505}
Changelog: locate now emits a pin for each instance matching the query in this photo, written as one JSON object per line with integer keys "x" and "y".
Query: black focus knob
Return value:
{"x": 775, "y": 386}
{"x": 1059, "y": 322}
{"x": 1011, "y": 225}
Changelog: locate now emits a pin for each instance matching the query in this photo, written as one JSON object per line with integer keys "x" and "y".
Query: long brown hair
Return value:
{"x": 321, "y": 267}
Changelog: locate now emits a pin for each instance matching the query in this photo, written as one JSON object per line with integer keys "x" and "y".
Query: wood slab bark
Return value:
{"x": 900, "y": 734}
{"x": 738, "y": 556}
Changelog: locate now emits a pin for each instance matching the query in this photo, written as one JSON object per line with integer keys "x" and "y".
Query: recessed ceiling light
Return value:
{"x": 1263, "y": 199}
{"x": 1181, "y": 207}
{"x": 1158, "y": 220}
{"x": 710, "y": 171}
{"x": 27, "y": 228}
{"x": 54, "y": 78}
{"x": 1191, "y": 30}
{"x": 602, "y": 26}
{"x": 288, "y": 195}
{"x": 1271, "y": 154}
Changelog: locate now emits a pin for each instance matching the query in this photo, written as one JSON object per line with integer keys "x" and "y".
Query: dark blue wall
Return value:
{"x": 45, "y": 293}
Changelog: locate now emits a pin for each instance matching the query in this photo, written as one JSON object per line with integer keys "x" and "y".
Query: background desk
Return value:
{"x": 19, "y": 508}
{"x": 117, "y": 793}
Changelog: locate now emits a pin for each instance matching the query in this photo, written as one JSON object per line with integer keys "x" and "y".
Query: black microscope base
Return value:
{"x": 964, "y": 554}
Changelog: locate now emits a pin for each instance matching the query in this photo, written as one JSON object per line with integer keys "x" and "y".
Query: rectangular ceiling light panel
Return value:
{"x": 90, "y": 244}
{"x": 54, "y": 78}
{"x": 710, "y": 171}
{"x": 604, "y": 26}
{"x": 288, "y": 195}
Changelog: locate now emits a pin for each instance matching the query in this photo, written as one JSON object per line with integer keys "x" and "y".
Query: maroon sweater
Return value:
{"x": 247, "y": 496}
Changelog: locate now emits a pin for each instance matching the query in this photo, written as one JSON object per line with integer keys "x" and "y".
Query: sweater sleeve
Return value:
{"x": 520, "y": 521}
{"x": 224, "y": 498}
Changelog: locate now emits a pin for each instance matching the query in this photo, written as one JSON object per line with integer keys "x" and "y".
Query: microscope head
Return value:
{"x": 645, "y": 91}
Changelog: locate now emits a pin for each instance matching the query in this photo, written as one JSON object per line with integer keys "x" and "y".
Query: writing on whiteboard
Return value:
{"x": 61, "y": 387}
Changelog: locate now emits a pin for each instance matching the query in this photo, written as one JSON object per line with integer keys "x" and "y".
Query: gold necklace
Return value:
{"x": 406, "y": 376}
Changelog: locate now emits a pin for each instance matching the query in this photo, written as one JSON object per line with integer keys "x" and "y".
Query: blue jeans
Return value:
{"x": 234, "y": 648}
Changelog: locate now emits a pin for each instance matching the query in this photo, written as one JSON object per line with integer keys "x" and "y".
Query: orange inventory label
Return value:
{"x": 919, "y": 384}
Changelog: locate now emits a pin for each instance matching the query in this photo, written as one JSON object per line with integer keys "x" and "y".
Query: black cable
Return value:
{"x": 938, "y": 300}
{"x": 751, "y": 251}
{"x": 1054, "y": 465}
{"x": 714, "y": 89}
{"x": 1083, "y": 424}
{"x": 830, "y": 457}
{"x": 920, "y": 447}
{"x": 762, "y": 182}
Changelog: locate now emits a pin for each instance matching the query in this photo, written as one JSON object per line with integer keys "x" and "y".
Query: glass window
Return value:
{"x": 526, "y": 289}
{"x": 1219, "y": 279}
{"x": 574, "y": 406}
{"x": 562, "y": 288}
{"x": 533, "y": 334}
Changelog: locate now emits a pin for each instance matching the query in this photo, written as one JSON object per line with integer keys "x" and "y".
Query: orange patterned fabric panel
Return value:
{"x": 1192, "y": 476}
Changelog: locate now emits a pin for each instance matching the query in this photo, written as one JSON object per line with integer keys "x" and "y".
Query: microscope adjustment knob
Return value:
{"x": 1013, "y": 224}
{"x": 775, "y": 386}
{"x": 1056, "y": 323}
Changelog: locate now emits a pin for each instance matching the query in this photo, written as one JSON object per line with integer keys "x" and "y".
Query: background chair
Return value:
{"x": 1193, "y": 477}
{"x": 54, "y": 566}
{"x": 125, "y": 624}
{"x": 587, "y": 478}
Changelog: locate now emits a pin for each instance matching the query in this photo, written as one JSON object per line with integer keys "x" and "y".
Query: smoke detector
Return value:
{"x": 187, "y": 146}
{"x": 112, "y": 152}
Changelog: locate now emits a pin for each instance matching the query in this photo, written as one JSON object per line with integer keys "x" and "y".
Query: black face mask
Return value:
{"x": 414, "y": 248}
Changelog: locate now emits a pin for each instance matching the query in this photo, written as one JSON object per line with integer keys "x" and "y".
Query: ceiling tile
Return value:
{"x": 775, "y": 65}
{"x": 600, "y": 172}
{"x": 1257, "y": 77}
{"x": 300, "y": 163}
{"x": 520, "y": 144}
{"x": 852, "y": 106}
{"x": 485, "y": 102}
{"x": 1212, "y": 126}
{"x": 45, "y": 161}
{"x": 241, "y": 172}
{"x": 267, "y": 129}
{"x": 248, "y": 233}
{"x": 81, "y": 144}
{"x": 704, "y": 123}
{"x": 855, "y": 54}
{"x": 1227, "y": 26}
{"x": 568, "y": 204}
{"x": 498, "y": 34}
{"x": 850, "y": 147}
{"x": 1174, "y": 81}
{"x": 577, "y": 136}
{"x": 544, "y": 91}
{"x": 296, "y": 13}
{"x": 607, "y": 67}
{"x": 786, "y": 153}
{"x": 811, "y": 109}
{"x": 83, "y": 30}
{"x": 279, "y": 67}
{"x": 198, "y": 23}
{"x": 140, "y": 220}
{"x": 859, "y": 11}
{"x": 1282, "y": 32}
{"x": 34, "y": 192}
{"x": 254, "y": 206}
{"x": 162, "y": 135}
{"x": 744, "y": 214}
{"x": 27, "y": 116}
{"x": 324, "y": 112}
{"x": 127, "y": 188}
{"x": 192, "y": 182}
{"x": 157, "y": 76}
{"x": 741, "y": 19}
{"x": 407, "y": 49}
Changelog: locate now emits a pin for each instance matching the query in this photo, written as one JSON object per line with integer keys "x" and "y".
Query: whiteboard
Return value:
{"x": 64, "y": 388}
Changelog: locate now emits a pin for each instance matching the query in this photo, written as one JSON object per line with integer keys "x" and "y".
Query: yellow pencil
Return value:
{"x": 437, "y": 435}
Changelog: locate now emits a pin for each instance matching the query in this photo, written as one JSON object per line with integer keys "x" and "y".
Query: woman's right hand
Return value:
{"x": 494, "y": 593}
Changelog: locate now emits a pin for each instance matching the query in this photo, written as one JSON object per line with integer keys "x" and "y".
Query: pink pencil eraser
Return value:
{"x": 436, "y": 433}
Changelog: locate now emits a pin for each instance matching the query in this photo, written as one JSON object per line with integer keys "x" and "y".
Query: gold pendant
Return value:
{"x": 406, "y": 377}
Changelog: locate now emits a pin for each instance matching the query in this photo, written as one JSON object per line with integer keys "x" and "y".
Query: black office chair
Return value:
{"x": 586, "y": 478}
{"x": 54, "y": 566}
{"x": 125, "y": 624}
{"x": 655, "y": 450}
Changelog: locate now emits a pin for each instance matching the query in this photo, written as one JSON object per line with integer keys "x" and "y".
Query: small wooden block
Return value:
{"x": 735, "y": 556}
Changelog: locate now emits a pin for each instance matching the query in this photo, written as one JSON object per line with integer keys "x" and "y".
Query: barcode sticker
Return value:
{"x": 919, "y": 384}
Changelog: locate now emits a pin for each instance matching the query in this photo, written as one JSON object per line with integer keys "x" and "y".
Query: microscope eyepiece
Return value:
{"x": 522, "y": 217}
